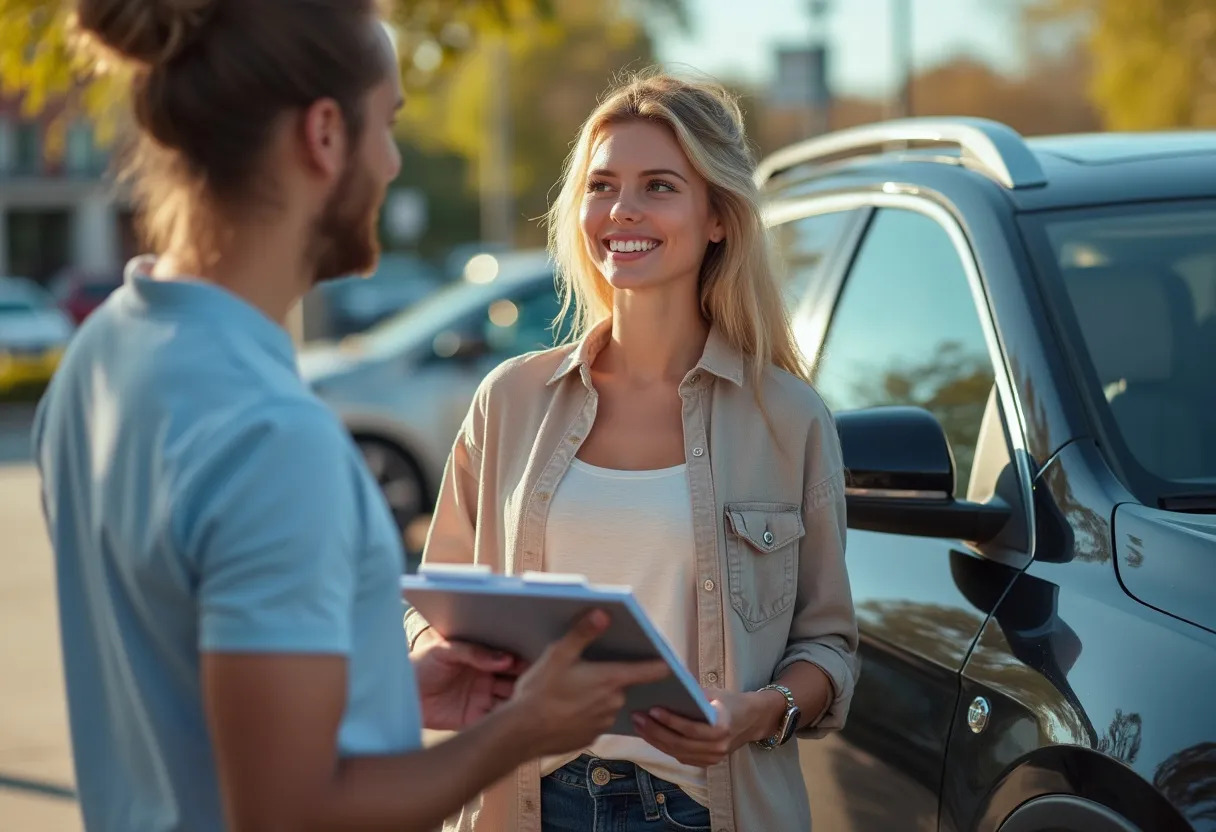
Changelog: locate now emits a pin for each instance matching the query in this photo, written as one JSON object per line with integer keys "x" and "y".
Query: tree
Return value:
{"x": 1154, "y": 61}
{"x": 1051, "y": 96}
{"x": 40, "y": 66}
{"x": 555, "y": 70}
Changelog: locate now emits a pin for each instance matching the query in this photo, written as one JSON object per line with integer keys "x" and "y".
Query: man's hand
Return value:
{"x": 460, "y": 683}
{"x": 566, "y": 702}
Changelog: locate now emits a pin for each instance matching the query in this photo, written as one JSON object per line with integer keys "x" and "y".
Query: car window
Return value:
{"x": 523, "y": 323}
{"x": 449, "y": 307}
{"x": 905, "y": 330}
{"x": 804, "y": 246}
{"x": 1140, "y": 281}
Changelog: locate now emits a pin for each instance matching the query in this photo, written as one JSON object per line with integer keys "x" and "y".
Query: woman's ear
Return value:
{"x": 716, "y": 232}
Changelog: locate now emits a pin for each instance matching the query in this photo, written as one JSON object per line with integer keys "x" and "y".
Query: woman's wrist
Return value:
{"x": 768, "y": 709}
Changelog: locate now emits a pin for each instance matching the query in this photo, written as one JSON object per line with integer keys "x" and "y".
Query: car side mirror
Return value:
{"x": 900, "y": 478}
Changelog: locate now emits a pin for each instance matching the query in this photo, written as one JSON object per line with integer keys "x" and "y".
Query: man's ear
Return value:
{"x": 324, "y": 138}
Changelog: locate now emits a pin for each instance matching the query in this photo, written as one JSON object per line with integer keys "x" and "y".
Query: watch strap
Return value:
{"x": 783, "y": 732}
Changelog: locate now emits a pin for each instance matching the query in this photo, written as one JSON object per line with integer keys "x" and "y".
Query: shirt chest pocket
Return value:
{"x": 761, "y": 559}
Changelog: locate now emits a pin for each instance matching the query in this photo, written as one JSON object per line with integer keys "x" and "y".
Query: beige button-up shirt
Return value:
{"x": 769, "y": 527}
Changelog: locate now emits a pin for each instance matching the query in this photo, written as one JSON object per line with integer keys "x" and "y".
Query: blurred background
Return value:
{"x": 496, "y": 91}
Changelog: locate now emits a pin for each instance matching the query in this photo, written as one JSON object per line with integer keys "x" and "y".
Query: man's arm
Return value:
{"x": 274, "y": 723}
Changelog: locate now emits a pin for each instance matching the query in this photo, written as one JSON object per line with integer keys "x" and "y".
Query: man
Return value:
{"x": 227, "y": 568}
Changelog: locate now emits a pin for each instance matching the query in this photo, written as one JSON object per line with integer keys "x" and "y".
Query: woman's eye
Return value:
{"x": 661, "y": 186}
{"x": 594, "y": 187}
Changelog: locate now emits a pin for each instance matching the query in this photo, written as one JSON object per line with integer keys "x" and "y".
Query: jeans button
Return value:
{"x": 660, "y": 798}
{"x": 600, "y": 776}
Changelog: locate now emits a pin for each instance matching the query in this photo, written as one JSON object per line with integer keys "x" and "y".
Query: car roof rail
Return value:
{"x": 989, "y": 147}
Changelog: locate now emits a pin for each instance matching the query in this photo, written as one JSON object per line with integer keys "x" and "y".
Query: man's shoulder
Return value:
{"x": 280, "y": 419}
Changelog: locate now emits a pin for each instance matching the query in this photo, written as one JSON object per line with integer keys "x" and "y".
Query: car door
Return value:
{"x": 902, "y": 326}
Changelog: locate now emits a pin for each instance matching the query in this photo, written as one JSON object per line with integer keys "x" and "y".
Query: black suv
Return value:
{"x": 1018, "y": 338}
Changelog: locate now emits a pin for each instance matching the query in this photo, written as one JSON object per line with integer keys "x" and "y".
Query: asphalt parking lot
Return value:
{"x": 36, "y": 784}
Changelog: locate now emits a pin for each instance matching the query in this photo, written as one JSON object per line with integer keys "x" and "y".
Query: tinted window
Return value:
{"x": 804, "y": 245}
{"x": 905, "y": 331}
{"x": 1141, "y": 286}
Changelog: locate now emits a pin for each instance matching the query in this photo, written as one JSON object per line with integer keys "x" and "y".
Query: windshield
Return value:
{"x": 1139, "y": 288}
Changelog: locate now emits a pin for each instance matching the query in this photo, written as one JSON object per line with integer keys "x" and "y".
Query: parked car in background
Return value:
{"x": 78, "y": 291}
{"x": 1018, "y": 338}
{"x": 403, "y": 387}
{"x": 33, "y": 334}
{"x": 355, "y": 304}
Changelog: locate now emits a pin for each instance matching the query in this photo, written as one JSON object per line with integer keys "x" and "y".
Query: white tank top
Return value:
{"x": 632, "y": 528}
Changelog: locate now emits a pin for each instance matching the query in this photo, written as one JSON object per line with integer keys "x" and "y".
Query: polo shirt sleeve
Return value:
{"x": 273, "y": 536}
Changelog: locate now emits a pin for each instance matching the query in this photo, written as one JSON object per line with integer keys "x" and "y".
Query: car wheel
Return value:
{"x": 400, "y": 482}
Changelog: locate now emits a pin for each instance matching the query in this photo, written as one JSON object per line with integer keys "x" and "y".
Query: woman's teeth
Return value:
{"x": 629, "y": 246}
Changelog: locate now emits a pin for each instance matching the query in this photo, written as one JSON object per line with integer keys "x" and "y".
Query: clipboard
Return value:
{"x": 524, "y": 614}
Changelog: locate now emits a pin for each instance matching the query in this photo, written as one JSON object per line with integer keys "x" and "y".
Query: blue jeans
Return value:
{"x": 594, "y": 795}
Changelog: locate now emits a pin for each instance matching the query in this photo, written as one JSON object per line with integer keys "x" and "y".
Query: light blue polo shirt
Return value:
{"x": 200, "y": 498}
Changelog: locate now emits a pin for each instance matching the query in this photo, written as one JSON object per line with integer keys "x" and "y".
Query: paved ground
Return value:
{"x": 36, "y": 789}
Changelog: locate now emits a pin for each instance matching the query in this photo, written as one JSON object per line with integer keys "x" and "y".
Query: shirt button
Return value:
{"x": 698, "y": 452}
{"x": 709, "y": 585}
{"x": 542, "y": 497}
{"x": 711, "y": 678}
{"x": 695, "y": 378}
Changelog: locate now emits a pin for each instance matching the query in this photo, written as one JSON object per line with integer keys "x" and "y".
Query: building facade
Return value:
{"x": 57, "y": 210}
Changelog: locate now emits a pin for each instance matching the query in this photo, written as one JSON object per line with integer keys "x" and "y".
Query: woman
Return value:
{"x": 677, "y": 447}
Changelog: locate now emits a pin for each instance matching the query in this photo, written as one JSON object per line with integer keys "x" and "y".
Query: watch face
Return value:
{"x": 791, "y": 724}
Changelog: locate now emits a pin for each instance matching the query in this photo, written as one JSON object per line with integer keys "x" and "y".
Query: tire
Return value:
{"x": 401, "y": 484}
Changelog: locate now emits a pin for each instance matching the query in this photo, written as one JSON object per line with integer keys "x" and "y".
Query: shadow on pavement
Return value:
{"x": 16, "y": 418}
{"x": 37, "y": 787}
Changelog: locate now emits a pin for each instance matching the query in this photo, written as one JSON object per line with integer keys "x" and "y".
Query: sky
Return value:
{"x": 735, "y": 39}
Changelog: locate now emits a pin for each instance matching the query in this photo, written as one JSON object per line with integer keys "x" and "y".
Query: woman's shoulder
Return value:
{"x": 784, "y": 393}
{"x": 515, "y": 391}
{"x": 529, "y": 372}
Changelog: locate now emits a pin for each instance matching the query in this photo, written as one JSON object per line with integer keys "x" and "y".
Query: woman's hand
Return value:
{"x": 742, "y": 718}
{"x": 460, "y": 683}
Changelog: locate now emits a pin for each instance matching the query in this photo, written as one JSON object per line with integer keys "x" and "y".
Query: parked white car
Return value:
{"x": 403, "y": 387}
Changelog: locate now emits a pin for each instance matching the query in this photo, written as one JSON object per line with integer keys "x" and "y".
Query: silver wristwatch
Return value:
{"x": 789, "y": 724}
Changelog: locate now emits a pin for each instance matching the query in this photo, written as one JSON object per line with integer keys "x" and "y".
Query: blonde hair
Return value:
{"x": 740, "y": 295}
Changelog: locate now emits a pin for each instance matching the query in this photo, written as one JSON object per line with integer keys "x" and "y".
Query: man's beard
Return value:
{"x": 345, "y": 238}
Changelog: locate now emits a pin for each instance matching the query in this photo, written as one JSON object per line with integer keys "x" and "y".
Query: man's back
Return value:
{"x": 199, "y": 498}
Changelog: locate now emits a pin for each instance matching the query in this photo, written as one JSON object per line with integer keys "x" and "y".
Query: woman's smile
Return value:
{"x": 622, "y": 248}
